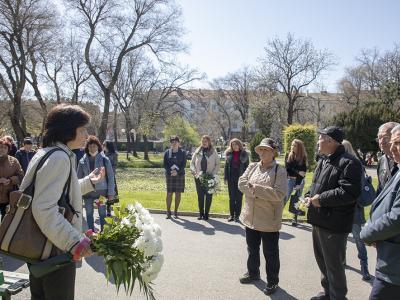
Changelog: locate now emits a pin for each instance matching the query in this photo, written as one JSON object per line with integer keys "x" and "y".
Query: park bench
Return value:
{"x": 13, "y": 284}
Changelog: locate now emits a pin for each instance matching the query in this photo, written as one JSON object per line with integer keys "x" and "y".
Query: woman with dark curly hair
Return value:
{"x": 65, "y": 129}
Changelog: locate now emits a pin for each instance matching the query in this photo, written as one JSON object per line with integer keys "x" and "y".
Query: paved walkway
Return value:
{"x": 204, "y": 259}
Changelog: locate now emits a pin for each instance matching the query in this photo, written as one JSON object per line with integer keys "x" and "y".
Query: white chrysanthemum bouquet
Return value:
{"x": 209, "y": 182}
{"x": 302, "y": 204}
{"x": 131, "y": 246}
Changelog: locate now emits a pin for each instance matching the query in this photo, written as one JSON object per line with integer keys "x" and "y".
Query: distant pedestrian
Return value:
{"x": 264, "y": 185}
{"x": 236, "y": 162}
{"x": 14, "y": 148}
{"x": 174, "y": 165}
{"x": 359, "y": 221}
{"x": 296, "y": 167}
{"x": 387, "y": 167}
{"x": 205, "y": 159}
{"x": 25, "y": 154}
{"x": 111, "y": 153}
{"x": 11, "y": 174}
{"x": 383, "y": 232}
{"x": 333, "y": 193}
{"x": 94, "y": 158}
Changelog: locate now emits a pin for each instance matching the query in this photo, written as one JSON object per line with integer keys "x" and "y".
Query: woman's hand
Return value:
{"x": 4, "y": 181}
{"x": 174, "y": 173}
{"x": 82, "y": 249}
{"x": 96, "y": 176}
{"x": 302, "y": 173}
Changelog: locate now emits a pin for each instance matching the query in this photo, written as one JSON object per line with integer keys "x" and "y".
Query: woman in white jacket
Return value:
{"x": 205, "y": 159}
{"x": 65, "y": 129}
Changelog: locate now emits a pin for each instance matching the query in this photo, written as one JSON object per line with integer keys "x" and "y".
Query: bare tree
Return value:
{"x": 115, "y": 28}
{"x": 291, "y": 65}
{"x": 352, "y": 85}
{"x": 24, "y": 25}
{"x": 239, "y": 88}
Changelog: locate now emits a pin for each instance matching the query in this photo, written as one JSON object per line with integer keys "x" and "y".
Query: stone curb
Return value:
{"x": 195, "y": 214}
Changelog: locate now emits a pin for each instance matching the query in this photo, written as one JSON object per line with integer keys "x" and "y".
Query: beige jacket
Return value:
{"x": 212, "y": 162}
{"x": 263, "y": 205}
{"x": 50, "y": 181}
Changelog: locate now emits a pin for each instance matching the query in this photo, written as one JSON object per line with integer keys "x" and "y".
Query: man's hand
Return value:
{"x": 314, "y": 201}
{"x": 4, "y": 181}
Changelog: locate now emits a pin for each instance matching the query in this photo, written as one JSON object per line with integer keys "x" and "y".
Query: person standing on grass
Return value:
{"x": 387, "y": 167}
{"x": 296, "y": 167}
{"x": 205, "y": 159}
{"x": 359, "y": 221}
{"x": 333, "y": 193}
{"x": 237, "y": 161}
{"x": 112, "y": 155}
{"x": 94, "y": 158}
{"x": 174, "y": 165}
{"x": 383, "y": 232}
{"x": 264, "y": 185}
{"x": 25, "y": 154}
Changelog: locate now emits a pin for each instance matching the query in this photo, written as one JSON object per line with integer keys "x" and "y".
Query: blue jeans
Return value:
{"x": 362, "y": 250}
{"x": 291, "y": 185}
{"x": 89, "y": 207}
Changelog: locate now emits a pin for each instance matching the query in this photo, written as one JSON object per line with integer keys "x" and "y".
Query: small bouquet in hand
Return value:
{"x": 302, "y": 204}
{"x": 209, "y": 182}
{"x": 131, "y": 246}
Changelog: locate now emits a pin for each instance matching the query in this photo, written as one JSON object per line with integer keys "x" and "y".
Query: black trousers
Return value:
{"x": 330, "y": 254}
{"x": 382, "y": 290}
{"x": 58, "y": 285}
{"x": 235, "y": 197}
{"x": 270, "y": 244}
{"x": 204, "y": 206}
{"x": 3, "y": 209}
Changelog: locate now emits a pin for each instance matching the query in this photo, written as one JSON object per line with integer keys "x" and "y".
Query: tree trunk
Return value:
{"x": 15, "y": 118}
{"x": 290, "y": 112}
{"x": 146, "y": 148}
{"x": 104, "y": 118}
{"x": 115, "y": 124}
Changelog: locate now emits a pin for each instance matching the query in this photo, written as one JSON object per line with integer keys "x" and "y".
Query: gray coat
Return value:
{"x": 383, "y": 229}
{"x": 108, "y": 182}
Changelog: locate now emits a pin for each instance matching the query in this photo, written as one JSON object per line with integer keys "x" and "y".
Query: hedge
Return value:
{"x": 305, "y": 133}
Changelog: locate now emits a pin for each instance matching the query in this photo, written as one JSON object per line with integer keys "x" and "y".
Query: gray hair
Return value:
{"x": 388, "y": 127}
{"x": 395, "y": 129}
{"x": 348, "y": 148}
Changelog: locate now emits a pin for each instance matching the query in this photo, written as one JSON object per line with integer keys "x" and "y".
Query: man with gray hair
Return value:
{"x": 387, "y": 167}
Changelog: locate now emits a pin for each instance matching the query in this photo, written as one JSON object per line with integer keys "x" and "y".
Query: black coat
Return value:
{"x": 179, "y": 161}
{"x": 337, "y": 179}
{"x": 243, "y": 163}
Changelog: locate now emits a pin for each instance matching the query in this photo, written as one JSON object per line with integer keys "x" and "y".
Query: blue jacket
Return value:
{"x": 383, "y": 229}
{"x": 108, "y": 182}
{"x": 179, "y": 162}
{"x": 24, "y": 158}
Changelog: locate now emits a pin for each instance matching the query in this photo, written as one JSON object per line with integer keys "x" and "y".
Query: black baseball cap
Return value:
{"x": 334, "y": 132}
{"x": 28, "y": 141}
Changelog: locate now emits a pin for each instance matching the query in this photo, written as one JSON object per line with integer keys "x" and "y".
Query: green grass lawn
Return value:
{"x": 147, "y": 186}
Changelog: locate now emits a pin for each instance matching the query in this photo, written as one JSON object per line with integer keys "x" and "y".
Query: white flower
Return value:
{"x": 139, "y": 224}
{"x": 149, "y": 276}
{"x": 131, "y": 209}
{"x": 159, "y": 244}
{"x": 148, "y": 231}
{"x": 138, "y": 206}
{"x": 126, "y": 222}
{"x": 139, "y": 243}
{"x": 150, "y": 247}
{"x": 157, "y": 229}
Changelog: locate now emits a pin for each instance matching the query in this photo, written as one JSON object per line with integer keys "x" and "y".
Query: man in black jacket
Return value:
{"x": 333, "y": 193}
{"x": 387, "y": 167}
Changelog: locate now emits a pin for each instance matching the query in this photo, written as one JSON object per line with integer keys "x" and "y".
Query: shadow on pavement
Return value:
{"x": 371, "y": 282}
{"x": 217, "y": 226}
{"x": 285, "y": 236}
{"x": 194, "y": 226}
{"x": 279, "y": 294}
{"x": 11, "y": 264}
{"x": 97, "y": 264}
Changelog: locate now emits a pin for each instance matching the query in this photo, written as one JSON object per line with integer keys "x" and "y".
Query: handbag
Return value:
{"x": 20, "y": 236}
{"x": 294, "y": 198}
{"x": 368, "y": 192}
{"x": 116, "y": 198}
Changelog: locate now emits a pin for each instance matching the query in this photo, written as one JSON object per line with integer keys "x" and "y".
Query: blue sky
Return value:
{"x": 224, "y": 35}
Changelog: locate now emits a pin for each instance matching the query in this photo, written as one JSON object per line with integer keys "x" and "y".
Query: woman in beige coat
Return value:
{"x": 264, "y": 185}
{"x": 65, "y": 129}
{"x": 205, "y": 159}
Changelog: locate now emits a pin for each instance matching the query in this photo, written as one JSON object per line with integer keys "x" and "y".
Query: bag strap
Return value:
{"x": 104, "y": 164}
